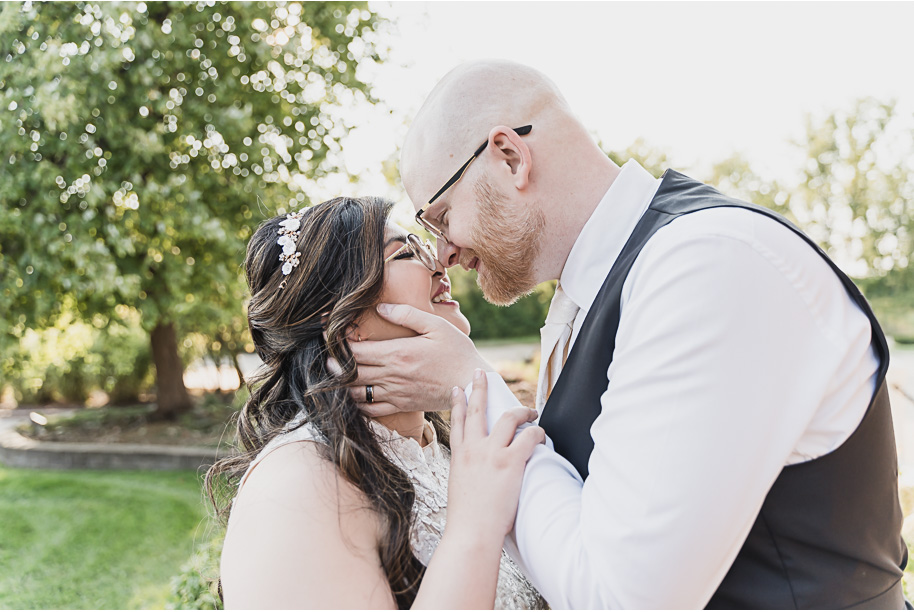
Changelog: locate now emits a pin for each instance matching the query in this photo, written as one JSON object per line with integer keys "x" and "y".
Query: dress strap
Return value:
{"x": 295, "y": 431}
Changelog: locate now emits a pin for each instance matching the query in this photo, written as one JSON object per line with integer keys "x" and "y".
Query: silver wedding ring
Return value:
{"x": 369, "y": 393}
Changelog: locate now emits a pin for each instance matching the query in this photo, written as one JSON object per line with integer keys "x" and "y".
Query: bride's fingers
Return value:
{"x": 527, "y": 440}
{"x": 476, "y": 410}
{"x": 505, "y": 428}
{"x": 458, "y": 416}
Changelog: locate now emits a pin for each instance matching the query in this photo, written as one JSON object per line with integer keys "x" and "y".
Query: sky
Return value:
{"x": 699, "y": 81}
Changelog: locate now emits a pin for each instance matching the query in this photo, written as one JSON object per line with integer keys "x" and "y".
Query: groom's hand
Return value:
{"x": 414, "y": 374}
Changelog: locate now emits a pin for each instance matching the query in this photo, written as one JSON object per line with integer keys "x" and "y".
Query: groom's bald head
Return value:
{"x": 552, "y": 176}
{"x": 465, "y": 105}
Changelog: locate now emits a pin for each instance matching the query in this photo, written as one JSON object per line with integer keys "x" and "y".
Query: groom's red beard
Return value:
{"x": 507, "y": 243}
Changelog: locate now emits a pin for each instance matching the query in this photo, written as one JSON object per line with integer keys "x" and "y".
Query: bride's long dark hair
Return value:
{"x": 340, "y": 276}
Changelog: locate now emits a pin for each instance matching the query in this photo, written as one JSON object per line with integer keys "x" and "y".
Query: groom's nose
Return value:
{"x": 448, "y": 253}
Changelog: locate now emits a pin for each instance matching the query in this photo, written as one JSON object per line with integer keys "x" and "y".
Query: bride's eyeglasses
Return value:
{"x": 415, "y": 247}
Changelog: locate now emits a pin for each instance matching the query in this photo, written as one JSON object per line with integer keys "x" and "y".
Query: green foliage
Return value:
{"x": 67, "y": 361}
{"x": 523, "y": 318}
{"x": 892, "y": 299}
{"x": 94, "y": 540}
{"x": 651, "y": 158}
{"x": 734, "y": 177}
{"x": 196, "y": 587}
{"x": 857, "y": 194}
{"x": 142, "y": 143}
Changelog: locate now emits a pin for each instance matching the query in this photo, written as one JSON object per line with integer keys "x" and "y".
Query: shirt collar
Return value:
{"x": 606, "y": 232}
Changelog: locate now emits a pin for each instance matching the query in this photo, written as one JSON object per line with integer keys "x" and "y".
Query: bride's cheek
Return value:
{"x": 393, "y": 287}
{"x": 400, "y": 287}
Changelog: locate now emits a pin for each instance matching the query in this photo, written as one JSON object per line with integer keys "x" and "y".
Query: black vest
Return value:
{"x": 828, "y": 533}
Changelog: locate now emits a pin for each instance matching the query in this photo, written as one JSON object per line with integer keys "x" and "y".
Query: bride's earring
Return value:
{"x": 354, "y": 331}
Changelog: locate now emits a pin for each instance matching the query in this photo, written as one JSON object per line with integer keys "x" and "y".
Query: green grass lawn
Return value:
{"x": 86, "y": 540}
{"x": 80, "y": 539}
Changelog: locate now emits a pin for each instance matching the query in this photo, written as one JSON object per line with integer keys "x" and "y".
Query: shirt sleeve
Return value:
{"x": 692, "y": 434}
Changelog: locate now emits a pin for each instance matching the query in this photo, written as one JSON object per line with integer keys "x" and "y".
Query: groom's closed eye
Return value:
{"x": 441, "y": 217}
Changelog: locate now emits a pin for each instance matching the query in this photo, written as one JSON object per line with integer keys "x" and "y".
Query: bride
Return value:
{"x": 332, "y": 509}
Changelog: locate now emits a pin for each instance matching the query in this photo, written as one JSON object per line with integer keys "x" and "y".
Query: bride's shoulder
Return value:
{"x": 295, "y": 516}
{"x": 296, "y": 475}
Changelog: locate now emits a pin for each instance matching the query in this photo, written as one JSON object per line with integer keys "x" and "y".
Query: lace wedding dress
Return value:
{"x": 428, "y": 468}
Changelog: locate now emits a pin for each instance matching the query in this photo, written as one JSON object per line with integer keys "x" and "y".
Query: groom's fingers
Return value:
{"x": 375, "y": 352}
{"x": 360, "y": 394}
{"x": 404, "y": 315}
{"x": 377, "y": 409}
{"x": 367, "y": 375}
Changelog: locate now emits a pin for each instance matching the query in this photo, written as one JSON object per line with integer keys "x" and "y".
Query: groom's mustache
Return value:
{"x": 469, "y": 260}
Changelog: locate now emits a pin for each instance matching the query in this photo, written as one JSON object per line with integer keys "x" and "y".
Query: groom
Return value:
{"x": 712, "y": 386}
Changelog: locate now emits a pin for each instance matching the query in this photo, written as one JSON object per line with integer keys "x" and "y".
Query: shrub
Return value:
{"x": 70, "y": 360}
{"x": 521, "y": 319}
{"x": 196, "y": 587}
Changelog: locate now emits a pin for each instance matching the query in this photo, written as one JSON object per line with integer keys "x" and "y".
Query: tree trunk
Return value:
{"x": 238, "y": 369}
{"x": 171, "y": 394}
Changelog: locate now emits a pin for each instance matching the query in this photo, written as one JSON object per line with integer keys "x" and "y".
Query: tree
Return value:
{"x": 734, "y": 177}
{"x": 651, "y": 158}
{"x": 857, "y": 194}
{"x": 857, "y": 200}
{"x": 142, "y": 144}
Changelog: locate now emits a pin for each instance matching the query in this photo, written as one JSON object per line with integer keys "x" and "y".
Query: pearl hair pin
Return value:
{"x": 288, "y": 232}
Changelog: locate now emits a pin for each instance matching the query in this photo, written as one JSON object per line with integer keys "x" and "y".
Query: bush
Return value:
{"x": 53, "y": 364}
{"x": 125, "y": 363}
{"x": 892, "y": 299}
{"x": 196, "y": 587}
{"x": 70, "y": 360}
{"x": 522, "y": 319}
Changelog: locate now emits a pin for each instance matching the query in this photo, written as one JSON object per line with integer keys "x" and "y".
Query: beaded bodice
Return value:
{"x": 428, "y": 468}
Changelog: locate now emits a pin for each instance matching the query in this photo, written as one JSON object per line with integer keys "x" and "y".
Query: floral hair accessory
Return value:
{"x": 288, "y": 232}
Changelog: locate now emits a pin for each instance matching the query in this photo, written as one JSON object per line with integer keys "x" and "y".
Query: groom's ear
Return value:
{"x": 511, "y": 156}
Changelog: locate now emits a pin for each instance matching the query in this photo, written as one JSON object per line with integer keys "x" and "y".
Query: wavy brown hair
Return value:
{"x": 340, "y": 276}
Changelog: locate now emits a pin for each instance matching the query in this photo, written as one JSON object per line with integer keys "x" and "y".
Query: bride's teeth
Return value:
{"x": 442, "y": 297}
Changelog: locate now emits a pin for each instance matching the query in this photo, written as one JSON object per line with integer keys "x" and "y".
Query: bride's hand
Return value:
{"x": 487, "y": 468}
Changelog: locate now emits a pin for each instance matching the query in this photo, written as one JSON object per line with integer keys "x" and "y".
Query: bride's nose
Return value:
{"x": 439, "y": 269}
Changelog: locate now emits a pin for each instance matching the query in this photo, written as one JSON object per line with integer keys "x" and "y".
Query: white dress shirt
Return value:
{"x": 738, "y": 352}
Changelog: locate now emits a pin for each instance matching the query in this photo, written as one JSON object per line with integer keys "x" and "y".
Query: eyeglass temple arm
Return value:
{"x": 521, "y": 131}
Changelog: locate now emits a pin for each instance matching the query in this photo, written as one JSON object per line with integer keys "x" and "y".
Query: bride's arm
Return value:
{"x": 484, "y": 485}
{"x": 302, "y": 536}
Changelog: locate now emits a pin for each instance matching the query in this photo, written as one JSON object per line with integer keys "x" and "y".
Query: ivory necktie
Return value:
{"x": 554, "y": 337}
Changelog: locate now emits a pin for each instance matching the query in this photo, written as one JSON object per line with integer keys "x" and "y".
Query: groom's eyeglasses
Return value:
{"x": 431, "y": 225}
